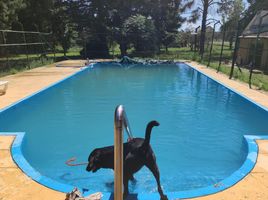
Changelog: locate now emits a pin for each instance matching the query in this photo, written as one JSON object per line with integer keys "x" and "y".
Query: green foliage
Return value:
{"x": 13, "y": 71}
{"x": 108, "y": 18}
{"x": 99, "y": 22}
{"x": 62, "y": 26}
{"x": 183, "y": 38}
{"x": 36, "y": 16}
{"x": 168, "y": 39}
{"x": 96, "y": 47}
{"x": 231, "y": 11}
{"x": 9, "y": 12}
{"x": 140, "y": 31}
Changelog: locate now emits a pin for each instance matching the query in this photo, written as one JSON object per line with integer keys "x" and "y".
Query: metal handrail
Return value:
{"x": 120, "y": 122}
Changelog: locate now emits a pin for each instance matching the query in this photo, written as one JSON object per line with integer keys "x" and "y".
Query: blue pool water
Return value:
{"x": 199, "y": 141}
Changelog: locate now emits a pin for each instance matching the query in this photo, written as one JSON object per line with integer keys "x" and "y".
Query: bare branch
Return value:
{"x": 213, "y": 3}
{"x": 200, "y": 9}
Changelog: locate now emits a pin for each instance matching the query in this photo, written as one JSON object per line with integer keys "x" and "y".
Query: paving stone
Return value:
{"x": 6, "y": 159}
{"x": 5, "y": 142}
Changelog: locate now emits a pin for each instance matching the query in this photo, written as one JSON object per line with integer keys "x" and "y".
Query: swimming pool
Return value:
{"x": 199, "y": 141}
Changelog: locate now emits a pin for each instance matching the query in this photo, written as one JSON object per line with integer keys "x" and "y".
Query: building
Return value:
{"x": 255, "y": 33}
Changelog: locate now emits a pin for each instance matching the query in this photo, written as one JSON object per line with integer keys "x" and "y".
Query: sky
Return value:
{"x": 212, "y": 14}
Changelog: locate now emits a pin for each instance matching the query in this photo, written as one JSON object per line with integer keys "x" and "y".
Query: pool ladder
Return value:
{"x": 120, "y": 122}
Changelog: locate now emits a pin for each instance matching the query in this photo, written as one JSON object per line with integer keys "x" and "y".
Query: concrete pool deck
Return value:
{"x": 14, "y": 184}
{"x": 25, "y": 83}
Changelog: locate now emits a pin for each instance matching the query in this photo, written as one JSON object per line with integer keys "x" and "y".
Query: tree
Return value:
{"x": 36, "y": 15}
{"x": 108, "y": 17}
{"x": 167, "y": 17}
{"x": 230, "y": 11}
{"x": 92, "y": 19}
{"x": 140, "y": 31}
{"x": 61, "y": 25}
{"x": 168, "y": 39}
{"x": 96, "y": 47}
{"x": 205, "y": 8}
{"x": 9, "y": 12}
{"x": 184, "y": 38}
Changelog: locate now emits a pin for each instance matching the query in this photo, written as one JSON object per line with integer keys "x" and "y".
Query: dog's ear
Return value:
{"x": 95, "y": 155}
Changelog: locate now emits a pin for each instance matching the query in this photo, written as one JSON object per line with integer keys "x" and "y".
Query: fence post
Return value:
{"x": 4, "y": 42}
{"x": 195, "y": 37}
{"x": 212, "y": 42}
{"x": 41, "y": 41}
{"x": 44, "y": 53}
{"x": 255, "y": 50}
{"x": 195, "y": 40}
{"x": 222, "y": 44}
{"x": 54, "y": 52}
{"x": 27, "y": 53}
{"x": 235, "y": 48}
{"x": 202, "y": 54}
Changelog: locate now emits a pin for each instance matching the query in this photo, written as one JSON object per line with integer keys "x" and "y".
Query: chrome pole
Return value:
{"x": 127, "y": 126}
{"x": 118, "y": 152}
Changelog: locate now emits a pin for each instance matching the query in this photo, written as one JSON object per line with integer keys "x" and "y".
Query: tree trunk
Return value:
{"x": 231, "y": 43}
{"x": 203, "y": 28}
{"x": 123, "y": 49}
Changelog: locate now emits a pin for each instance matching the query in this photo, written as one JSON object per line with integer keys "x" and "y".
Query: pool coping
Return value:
{"x": 238, "y": 175}
{"x": 234, "y": 178}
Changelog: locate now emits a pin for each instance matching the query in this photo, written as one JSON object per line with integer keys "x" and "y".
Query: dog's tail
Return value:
{"x": 149, "y": 128}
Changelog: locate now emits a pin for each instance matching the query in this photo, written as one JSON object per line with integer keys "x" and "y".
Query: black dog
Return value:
{"x": 137, "y": 153}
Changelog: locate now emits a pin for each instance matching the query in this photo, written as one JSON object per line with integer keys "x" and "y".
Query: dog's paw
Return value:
{"x": 164, "y": 197}
{"x": 133, "y": 181}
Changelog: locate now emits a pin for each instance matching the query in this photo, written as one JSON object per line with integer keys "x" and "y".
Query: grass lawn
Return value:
{"x": 259, "y": 80}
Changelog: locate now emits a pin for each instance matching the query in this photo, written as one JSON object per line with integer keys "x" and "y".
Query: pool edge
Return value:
{"x": 230, "y": 181}
{"x": 23, "y": 100}
{"x": 226, "y": 86}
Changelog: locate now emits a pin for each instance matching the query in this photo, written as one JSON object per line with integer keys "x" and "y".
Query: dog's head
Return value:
{"x": 94, "y": 162}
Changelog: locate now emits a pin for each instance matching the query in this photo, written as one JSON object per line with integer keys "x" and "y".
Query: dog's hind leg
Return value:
{"x": 125, "y": 182}
{"x": 132, "y": 179}
{"x": 152, "y": 166}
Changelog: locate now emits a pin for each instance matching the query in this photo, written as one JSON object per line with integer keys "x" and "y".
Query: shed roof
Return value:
{"x": 253, "y": 26}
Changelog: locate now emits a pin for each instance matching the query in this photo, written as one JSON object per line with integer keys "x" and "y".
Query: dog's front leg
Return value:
{"x": 132, "y": 179}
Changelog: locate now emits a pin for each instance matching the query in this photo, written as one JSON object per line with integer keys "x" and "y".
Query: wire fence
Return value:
{"x": 19, "y": 49}
{"x": 242, "y": 54}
